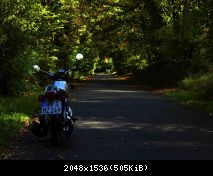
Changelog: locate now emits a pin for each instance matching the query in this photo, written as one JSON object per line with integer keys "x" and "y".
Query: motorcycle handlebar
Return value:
{"x": 60, "y": 74}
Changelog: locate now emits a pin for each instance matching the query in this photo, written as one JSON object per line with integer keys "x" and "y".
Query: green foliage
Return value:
{"x": 203, "y": 85}
{"x": 26, "y": 104}
{"x": 195, "y": 92}
{"x": 169, "y": 39}
{"x": 191, "y": 99}
{"x": 104, "y": 65}
{"x": 15, "y": 113}
{"x": 14, "y": 48}
{"x": 9, "y": 125}
{"x": 168, "y": 35}
{"x": 184, "y": 36}
{"x": 34, "y": 32}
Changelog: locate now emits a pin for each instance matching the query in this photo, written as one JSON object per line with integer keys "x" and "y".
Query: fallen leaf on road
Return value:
{"x": 61, "y": 156}
{"x": 146, "y": 143}
{"x": 75, "y": 155}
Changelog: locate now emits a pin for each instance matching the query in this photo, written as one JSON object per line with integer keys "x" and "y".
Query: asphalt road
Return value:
{"x": 118, "y": 121}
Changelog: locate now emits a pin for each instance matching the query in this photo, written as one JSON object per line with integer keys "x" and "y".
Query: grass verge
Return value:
{"x": 15, "y": 113}
{"x": 191, "y": 99}
{"x": 196, "y": 92}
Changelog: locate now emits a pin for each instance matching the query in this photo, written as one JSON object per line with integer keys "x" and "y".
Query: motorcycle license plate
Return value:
{"x": 54, "y": 107}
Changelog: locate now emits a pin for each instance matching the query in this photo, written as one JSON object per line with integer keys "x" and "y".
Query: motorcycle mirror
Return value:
{"x": 36, "y": 67}
{"x": 79, "y": 56}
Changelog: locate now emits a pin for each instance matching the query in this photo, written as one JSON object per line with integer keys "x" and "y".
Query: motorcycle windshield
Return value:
{"x": 61, "y": 85}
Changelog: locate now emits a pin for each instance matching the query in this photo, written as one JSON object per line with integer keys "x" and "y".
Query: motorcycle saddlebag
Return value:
{"x": 38, "y": 129}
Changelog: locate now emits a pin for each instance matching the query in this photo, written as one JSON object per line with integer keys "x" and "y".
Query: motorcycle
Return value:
{"x": 56, "y": 112}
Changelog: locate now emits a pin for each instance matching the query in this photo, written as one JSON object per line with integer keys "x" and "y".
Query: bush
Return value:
{"x": 201, "y": 84}
{"x": 160, "y": 75}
